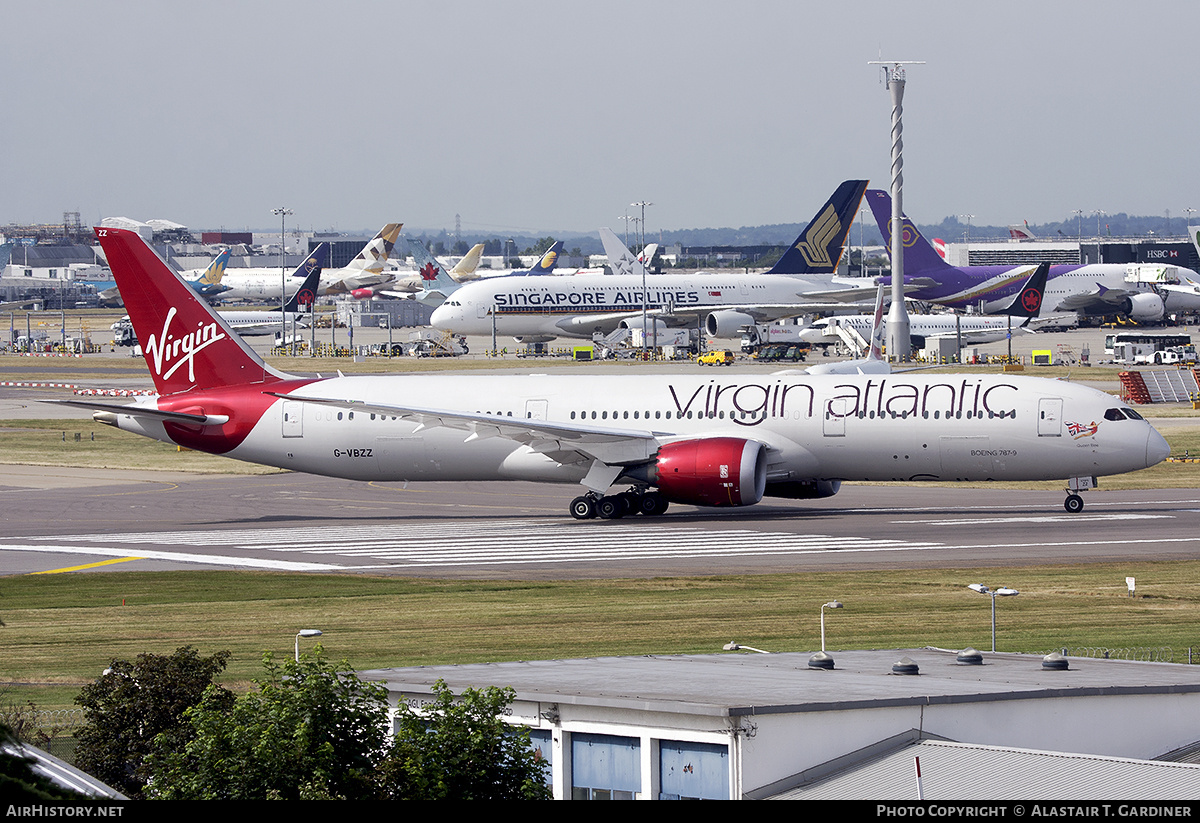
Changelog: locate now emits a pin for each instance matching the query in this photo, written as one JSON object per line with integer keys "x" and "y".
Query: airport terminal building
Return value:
{"x": 850, "y": 725}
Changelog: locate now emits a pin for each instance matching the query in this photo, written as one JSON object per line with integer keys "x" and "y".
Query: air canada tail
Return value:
{"x": 919, "y": 256}
{"x": 306, "y": 296}
{"x": 186, "y": 344}
{"x": 818, "y": 249}
{"x": 1028, "y": 300}
{"x": 436, "y": 285}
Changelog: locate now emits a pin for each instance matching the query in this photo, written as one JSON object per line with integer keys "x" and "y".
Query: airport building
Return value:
{"x": 847, "y": 725}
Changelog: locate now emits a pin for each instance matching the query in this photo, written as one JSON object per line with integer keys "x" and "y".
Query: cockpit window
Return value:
{"x": 1132, "y": 415}
{"x": 1113, "y": 414}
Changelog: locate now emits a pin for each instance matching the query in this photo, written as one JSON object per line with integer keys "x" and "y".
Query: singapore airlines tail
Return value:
{"x": 190, "y": 346}
{"x": 818, "y": 249}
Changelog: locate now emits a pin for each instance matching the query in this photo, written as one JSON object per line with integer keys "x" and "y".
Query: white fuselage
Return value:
{"x": 863, "y": 427}
{"x": 580, "y": 305}
{"x": 974, "y": 329}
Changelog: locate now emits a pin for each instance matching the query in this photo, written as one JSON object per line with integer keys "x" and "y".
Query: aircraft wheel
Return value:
{"x": 612, "y": 507}
{"x": 652, "y": 504}
{"x": 1073, "y": 503}
{"x": 583, "y": 508}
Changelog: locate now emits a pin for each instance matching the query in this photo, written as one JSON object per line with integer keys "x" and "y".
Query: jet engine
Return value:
{"x": 726, "y": 323}
{"x": 715, "y": 471}
{"x": 636, "y": 323}
{"x": 804, "y": 489}
{"x": 1144, "y": 307}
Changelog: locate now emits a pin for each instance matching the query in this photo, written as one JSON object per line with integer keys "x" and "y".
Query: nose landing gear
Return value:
{"x": 1074, "y": 503}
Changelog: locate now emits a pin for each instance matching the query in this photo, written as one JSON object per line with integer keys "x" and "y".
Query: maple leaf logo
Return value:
{"x": 428, "y": 273}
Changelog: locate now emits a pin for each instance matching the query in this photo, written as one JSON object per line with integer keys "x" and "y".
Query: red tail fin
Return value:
{"x": 186, "y": 344}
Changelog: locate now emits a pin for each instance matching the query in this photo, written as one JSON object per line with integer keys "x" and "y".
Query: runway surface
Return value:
{"x": 71, "y": 521}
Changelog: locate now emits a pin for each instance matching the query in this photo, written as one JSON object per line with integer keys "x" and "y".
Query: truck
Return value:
{"x": 766, "y": 334}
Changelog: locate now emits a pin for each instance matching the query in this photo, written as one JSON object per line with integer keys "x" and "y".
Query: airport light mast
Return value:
{"x": 645, "y": 264}
{"x": 899, "y": 342}
{"x": 283, "y": 213}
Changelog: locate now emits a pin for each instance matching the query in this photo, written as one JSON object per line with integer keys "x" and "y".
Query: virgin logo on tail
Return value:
{"x": 173, "y": 352}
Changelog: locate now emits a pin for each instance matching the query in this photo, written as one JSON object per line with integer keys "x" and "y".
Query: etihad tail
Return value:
{"x": 186, "y": 344}
{"x": 374, "y": 255}
{"x": 819, "y": 248}
{"x": 919, "y": 256}
{"x": 306, "y": 296}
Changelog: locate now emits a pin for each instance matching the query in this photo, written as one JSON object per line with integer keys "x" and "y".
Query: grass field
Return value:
{"x": 61, "y": 631}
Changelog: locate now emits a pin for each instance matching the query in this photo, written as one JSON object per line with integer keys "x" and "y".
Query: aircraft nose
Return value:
{"x": 1157, "y": 449}
{"x": 439, "y": 316}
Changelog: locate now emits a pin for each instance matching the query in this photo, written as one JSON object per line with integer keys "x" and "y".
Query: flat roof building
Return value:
{"x": 757, "y": 726}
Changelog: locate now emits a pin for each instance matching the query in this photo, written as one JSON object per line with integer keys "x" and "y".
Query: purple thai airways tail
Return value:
{"x": 919, "y": 256}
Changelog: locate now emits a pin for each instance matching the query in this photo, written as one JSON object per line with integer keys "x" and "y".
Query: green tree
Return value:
{"x": 462, "y": 750}
{"x": 134, "y": 703}
{"x": 309, "y": 731}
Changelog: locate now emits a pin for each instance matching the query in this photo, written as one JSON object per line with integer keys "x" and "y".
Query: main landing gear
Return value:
{"x": 614, "y": 506}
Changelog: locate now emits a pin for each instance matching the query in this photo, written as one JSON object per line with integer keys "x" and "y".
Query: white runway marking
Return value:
{"x": 397, "y": 546}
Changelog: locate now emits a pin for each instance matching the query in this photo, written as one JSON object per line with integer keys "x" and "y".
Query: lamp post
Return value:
{"x": 645, "y": 264}
{"x": 283, "y": 213}
{"x": 1003, "y": 591}
{"x": 305, "y": 633}
{"x": 832, "y": 604}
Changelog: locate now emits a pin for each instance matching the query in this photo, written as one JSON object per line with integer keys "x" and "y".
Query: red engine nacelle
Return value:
{"x": 362, "y": 294}
{"x": 716, "y": 471}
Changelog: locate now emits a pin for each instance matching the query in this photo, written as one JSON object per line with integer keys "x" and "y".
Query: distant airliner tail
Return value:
{"x": 209, "y": 281}
{"x": 819, "y": 248}
{"x": 436, "y": 284}
{"x": 306, "y": 296}
{"x": 548, "y": 260}
{"x": 919, "y": 255}
{"x": 1028, "y": 300}
{"x": 374, "y": 255}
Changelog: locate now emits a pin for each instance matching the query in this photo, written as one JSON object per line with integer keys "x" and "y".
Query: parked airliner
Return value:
{"x": 1141, "y": 292}
{"x": 538, "y": 309}
{"x": 723, "y": 440}
{"x": 363, "y": 274}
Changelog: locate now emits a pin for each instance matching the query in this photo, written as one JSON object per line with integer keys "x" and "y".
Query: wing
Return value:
{"x": 562, "y": 442}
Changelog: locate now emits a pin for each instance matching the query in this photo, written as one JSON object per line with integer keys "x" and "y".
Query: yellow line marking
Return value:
{"x": 89, "y": 565}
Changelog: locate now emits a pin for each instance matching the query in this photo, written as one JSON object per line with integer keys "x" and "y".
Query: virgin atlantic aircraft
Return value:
{"x": 701, "y": 440}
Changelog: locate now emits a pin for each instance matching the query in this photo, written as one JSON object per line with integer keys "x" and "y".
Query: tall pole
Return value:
{"x": 899, "y": 338}
{"x": 283, "y": 213}
{"x": 645, "y": 264}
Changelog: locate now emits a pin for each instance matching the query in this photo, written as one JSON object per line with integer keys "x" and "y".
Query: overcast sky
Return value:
{"x": 539, "y": 116}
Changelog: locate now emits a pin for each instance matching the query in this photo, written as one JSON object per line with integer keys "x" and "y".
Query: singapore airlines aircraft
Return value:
{"x": 537, "y": 309}
{"x": 700, "y": 440}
